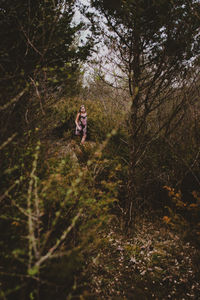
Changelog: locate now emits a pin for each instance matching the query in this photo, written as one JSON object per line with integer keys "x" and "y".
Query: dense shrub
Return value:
{"x": 51, "y": 221}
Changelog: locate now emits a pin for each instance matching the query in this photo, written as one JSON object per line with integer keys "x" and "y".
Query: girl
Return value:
{"x": 81, "y": 123}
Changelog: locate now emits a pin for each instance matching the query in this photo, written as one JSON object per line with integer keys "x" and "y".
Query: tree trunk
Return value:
{"x": 132, "y": 205}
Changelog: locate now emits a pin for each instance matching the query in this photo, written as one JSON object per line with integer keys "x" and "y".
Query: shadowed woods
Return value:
{"x": 117, "y": 217}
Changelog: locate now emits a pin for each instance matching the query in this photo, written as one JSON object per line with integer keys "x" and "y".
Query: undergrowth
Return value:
{"x": 61, "y": 201}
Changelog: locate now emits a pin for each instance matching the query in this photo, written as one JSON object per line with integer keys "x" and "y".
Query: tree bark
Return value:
{"x": 132, "y": 203}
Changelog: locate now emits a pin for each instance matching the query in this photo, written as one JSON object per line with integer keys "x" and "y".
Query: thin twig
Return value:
{"x": 14, "y": 100}
{"x": 6, "y": 193}
{"x": 8, "y": 141}
{"x": 57, "y": 244}
{"x": 38, "y": 94}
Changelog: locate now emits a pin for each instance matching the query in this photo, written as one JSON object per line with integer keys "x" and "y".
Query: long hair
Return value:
{"x": 81, "y": 107}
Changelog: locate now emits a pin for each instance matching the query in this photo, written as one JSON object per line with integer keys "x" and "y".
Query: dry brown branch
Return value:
{"x": 59, "y": 241}
{"x": 14, "y": 100}
{"x": 38, "y": 95}
{"x": 6, "y": 193}
{"x": 8, "y": 141}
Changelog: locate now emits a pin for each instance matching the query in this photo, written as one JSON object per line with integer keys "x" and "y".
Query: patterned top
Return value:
{"x": 82, "y": 122}
{"x": 83, "y": 119}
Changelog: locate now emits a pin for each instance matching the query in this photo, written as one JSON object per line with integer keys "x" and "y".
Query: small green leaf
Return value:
{"x": 33, "y": 271}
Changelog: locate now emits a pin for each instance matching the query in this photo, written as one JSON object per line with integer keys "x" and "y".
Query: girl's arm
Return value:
{"x": 76, "y": 121}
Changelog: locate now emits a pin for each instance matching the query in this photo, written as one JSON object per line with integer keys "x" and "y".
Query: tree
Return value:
{"x": 155, "y": 42}
{"x": 37, "y": 34}
{"x": 39, "y": 53}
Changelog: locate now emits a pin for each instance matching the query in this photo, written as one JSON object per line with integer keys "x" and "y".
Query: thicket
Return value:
{"x": 50, "y": 221}
{"x": 150, "y": 46}
{"x": 57, "y": 204}
{"x": 53, "y": 206}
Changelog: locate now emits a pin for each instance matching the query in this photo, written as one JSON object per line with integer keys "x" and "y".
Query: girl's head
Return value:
{"x": 82, "y": 109}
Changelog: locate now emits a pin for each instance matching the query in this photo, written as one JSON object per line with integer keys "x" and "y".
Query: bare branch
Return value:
{"x": 14, "y": 100}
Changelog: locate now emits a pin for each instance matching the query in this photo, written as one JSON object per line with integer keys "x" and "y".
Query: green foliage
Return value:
{"x": 57, "y": 206}
{"x": 39, "y": 42}
{"x": 56, "y": 216}
{"x": 152, "y": 29}
{"x": 40, "y": 55}
{"x": 99, "y": 124}
{"x": 59, "y": 213}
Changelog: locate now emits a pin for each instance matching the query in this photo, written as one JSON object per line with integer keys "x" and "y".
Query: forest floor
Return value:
{"x": 155, "y": 263}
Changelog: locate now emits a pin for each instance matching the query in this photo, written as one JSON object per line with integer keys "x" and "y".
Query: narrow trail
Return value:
{"x": 61, "y": 148}
{"x": 154, "y": 264}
